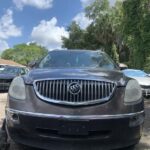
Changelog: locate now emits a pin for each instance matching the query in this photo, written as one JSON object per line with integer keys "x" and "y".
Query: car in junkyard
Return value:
{"x": 74, "y": 99}
{"x": 8, "y": 73}
{"x": 2, "y": 67}
{"x": 143, "y": 79}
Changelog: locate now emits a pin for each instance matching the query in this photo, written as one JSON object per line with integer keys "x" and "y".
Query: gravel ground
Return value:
{"x": 3, "y": 98}
{"x": 145, "y": 140}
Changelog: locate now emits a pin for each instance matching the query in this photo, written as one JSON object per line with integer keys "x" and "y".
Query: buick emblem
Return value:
{"x": 74, "y": 88}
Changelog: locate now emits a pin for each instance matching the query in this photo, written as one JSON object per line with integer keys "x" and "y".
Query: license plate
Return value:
{"x": 73, "y": 127}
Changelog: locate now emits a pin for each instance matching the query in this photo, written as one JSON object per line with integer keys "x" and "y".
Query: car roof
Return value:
{"x": 134, "y": 70}
{"x": 14, "y": 67}
{"x": 134, "y": 73}
{"x": 74, "y": 50}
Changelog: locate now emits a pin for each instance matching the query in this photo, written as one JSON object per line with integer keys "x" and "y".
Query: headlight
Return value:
{"x": 133, "y": 92}
{"x": 17, "y": 89}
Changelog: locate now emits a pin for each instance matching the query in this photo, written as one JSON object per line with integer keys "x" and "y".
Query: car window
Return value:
{"x": 11, "y": 70}
{"x": 22, "y": 71}
{"x": 135, "y": 73}
{"x": 77, "y": 59}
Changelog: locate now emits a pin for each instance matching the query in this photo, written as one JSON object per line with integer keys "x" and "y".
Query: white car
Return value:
{"x": 142, "y": 78}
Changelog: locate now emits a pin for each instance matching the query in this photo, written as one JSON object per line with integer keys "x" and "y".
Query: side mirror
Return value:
{"x": 122, "y": 66}
{"x": 32, "y": 64}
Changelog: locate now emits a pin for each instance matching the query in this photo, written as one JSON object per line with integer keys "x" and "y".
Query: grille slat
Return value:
{"x": 102, "y": 87}
{"x": 64, "y": 93}
{"x": 67, "y": 93}
{"x": 84, "y": 85}
{"x": 4, "y": 84}
{"x": 40, "y": 88}
{"x": 57, "y": 91}
{"x": 95, "y": 89}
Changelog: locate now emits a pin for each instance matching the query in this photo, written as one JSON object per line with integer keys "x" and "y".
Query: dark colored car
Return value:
{"x": 75, "y": 99}
{"x": 7, "y": 74}
{"x": 2, "y": 67}
{"x": 143, "y": 79}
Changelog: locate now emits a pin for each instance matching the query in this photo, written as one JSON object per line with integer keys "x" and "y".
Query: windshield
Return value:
{"x": 135, "y": 73}
{"x": 10, "y": 70}
{"x": 76, "y": 59}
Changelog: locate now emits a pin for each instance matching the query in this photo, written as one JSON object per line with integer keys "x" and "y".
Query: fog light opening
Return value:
{"x": 136, "y": 120}
{"x": 15, "y": 117}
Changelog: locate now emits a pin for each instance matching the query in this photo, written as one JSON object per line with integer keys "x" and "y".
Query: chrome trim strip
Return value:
{"x": 76, "y": 78}
{"x": 85, "y": 117}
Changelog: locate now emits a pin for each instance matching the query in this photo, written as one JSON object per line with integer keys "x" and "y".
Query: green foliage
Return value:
{"x": 100, "y": 34}
{"x": 76, "y": 37}
{"x": 24, "y": 53}
{"x": 123, "y": 29}
{"x": 114, "y": 54}
{"x": 147, "y": 65}
{"x": 136, "y": 15}
{"x": 99, "y": 12}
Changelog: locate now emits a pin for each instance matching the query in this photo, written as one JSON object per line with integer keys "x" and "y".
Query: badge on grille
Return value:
{"x": 74, "y": 88}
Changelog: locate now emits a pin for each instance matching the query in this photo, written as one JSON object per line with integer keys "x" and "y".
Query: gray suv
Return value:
{"x": 72, "y": 100}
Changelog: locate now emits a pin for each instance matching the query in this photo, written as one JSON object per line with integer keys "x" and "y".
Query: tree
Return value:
{"x": 147, "y": 64}
{"x": 136, "y": 21}
{"x": 100, "y": 34}
{"x": 76, "y": 37}
{"x": 23, "y": 53}
{"x": 122, "y": 29}
{"x": 101, "y": 26}
{"x": 114, "y": 54}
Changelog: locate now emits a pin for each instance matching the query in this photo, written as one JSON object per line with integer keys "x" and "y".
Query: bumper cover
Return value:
{"x": 75, "y": 132}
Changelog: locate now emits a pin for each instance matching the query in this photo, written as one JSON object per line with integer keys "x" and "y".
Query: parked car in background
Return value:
{"x": 74, "y": 99}
{"x": 142, "y": 78}
{"x": 8, "y": 73}
{"x": 2, "y": 67}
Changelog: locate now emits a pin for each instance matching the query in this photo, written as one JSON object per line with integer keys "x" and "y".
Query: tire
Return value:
{"x": 15, "y": 146}
{"x": 3, "y": 138}
{"x": 7, "y": 143}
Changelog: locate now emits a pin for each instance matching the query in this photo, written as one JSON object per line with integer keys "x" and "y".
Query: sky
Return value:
{"x": 40, "y": 21}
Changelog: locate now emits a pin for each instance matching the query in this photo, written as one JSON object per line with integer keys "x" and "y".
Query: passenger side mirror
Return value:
{"x": 122, "y": 66}
{"x": 32, "y": 64}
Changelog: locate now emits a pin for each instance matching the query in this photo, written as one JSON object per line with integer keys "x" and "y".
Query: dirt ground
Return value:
{"x": 3, "y": 98}
{"x": 145, "y": 140}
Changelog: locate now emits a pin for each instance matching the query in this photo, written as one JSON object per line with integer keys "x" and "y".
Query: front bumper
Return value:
{"x": 61, "y": 132}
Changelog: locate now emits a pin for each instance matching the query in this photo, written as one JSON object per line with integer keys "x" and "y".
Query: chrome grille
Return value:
{"x": 57, "y": 91}
{"x": 4, "y": 84}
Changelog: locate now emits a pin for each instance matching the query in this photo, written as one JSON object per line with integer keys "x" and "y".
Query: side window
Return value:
{"x": 26, "y": 70}
{"x": 23, "y": 71}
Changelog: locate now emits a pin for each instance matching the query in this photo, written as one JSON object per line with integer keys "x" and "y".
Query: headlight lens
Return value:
{"x": 133, "y": 92}
{"x": 17, "y": 89}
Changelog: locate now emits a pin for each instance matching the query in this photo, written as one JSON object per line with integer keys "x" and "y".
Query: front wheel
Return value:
{"x": 5, "y": 142}
{"x": 3, "y": 138}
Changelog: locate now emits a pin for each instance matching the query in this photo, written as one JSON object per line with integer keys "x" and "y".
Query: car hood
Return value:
{"x": 7, "y": 76}
{"x": 91, "y": 74}
{"x": 143, "y": 80}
